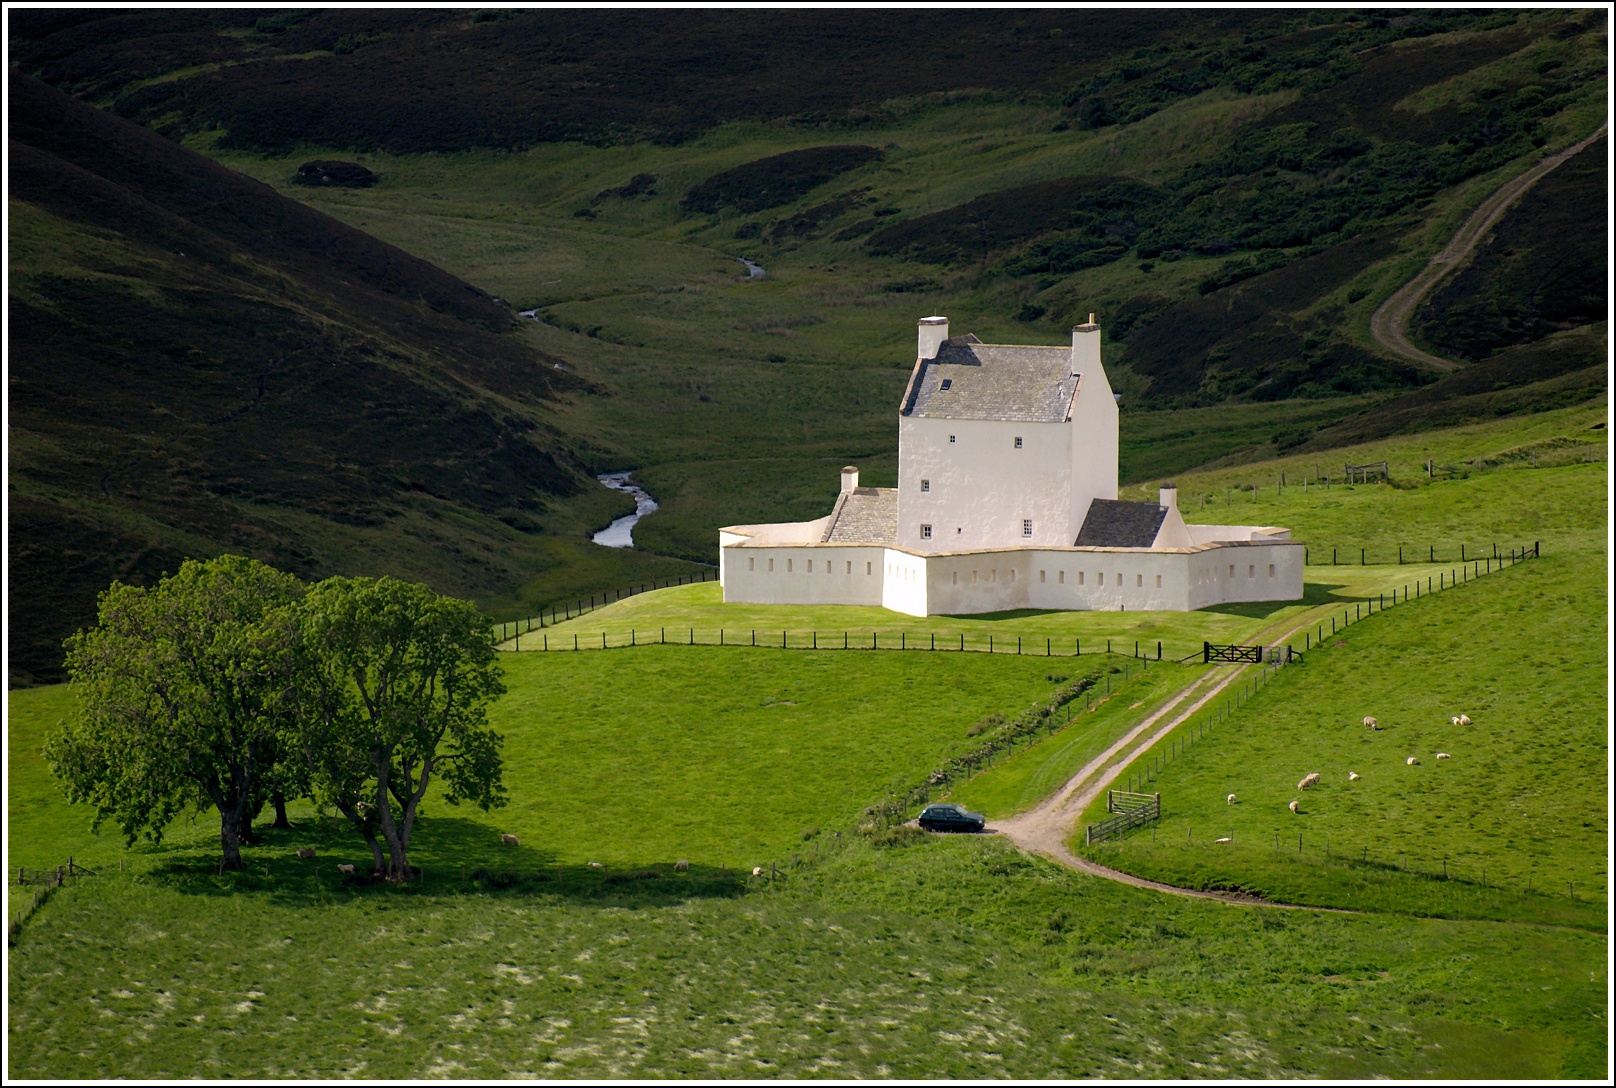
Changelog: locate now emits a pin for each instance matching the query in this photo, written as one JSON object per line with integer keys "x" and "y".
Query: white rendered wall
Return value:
{"x": 976, "y": 582}
{"x": 1260, "y": 572}
{"x": 904, "y": 577}
{"x": 982, "y": 487}
{"x": 803, "y": 574}
{"x": 1094, "y": 430}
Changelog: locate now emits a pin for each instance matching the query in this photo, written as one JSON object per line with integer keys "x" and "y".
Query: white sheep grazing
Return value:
{"x": 1412, "y": 762}
{"x": 1464, "y": 719}
{"x": 596, "y": 865}
{"x": 305, "y": 851}
{"x": 1294, "y": 807}
{"x": 1352, "y": 776}
{"x": 509, "y": 840}
{"x": 1371, "y": 723}
{"x": 1220, "y": 840}
{"x": 681, "y": 866}
{"x": 757, "y": 870}
{"x": 1308, "y": 782}
{"x": 348, "y": 869}
{"x": 1454, "y": 719}
{"x": 1443, "y": 755}
{"x": 1231, "y": 798}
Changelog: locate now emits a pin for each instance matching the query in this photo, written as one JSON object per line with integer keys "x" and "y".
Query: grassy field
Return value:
{"x": 946, "y": 959}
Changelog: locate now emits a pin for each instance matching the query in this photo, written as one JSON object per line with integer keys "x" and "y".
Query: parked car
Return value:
{"x": 951, "y": 818}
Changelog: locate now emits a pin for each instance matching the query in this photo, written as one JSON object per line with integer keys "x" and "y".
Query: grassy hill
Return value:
{"x": 1232, "y": 192}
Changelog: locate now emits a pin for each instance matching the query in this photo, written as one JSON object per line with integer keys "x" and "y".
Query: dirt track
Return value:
{"x": 1389, "y": 325}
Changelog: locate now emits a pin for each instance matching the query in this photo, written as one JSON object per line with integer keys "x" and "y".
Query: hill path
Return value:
{"x": 1389, "y": 325}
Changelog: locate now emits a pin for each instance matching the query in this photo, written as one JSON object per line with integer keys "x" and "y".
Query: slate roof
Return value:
{"x": 865, "y": 515}
{"x": 993, "y": 381}
{"x": 1114, "y": 524}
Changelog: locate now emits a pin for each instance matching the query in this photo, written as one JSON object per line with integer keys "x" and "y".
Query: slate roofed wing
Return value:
{"x": 994, "y": 381}
{"x": 1114, "y": 524}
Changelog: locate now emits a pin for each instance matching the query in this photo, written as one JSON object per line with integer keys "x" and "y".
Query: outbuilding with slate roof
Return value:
{"x": 1006, "y": 498}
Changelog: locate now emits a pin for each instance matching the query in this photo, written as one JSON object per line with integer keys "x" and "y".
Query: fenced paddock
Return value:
{"x": 1132, "y": 810}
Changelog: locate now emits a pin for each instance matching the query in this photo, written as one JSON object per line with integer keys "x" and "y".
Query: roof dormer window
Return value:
{"x": 948, "y": 383}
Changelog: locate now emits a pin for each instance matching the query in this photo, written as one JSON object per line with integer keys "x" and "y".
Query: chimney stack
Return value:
{"x": 1169, "y": 496}
{"x": 933, "y": 331}
{"x": 1085, "y": 347}
{"x": 849, "y": 478}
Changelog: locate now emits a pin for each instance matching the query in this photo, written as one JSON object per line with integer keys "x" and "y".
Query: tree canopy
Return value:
{"x": 181, "y": 699}
{"x": 392, "y": 686}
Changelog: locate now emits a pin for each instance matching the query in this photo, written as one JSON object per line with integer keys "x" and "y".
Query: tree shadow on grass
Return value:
{"x": 1313, "y": 593}
{"x": 454, "y": 857}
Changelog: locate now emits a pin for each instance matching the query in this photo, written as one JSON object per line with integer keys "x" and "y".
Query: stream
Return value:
{"x": 753, "y": 271}
{"x": 620, "y": 533}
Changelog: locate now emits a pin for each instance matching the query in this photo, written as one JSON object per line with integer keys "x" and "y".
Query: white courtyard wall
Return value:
{"x": 904, "y": 576}
{"x": 982, "y": 488}
{"x": 811, "y": 574}
{"x": 1245, "y": 572}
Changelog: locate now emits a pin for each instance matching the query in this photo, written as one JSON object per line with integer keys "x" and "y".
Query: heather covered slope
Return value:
{"x": 199, "y": 364}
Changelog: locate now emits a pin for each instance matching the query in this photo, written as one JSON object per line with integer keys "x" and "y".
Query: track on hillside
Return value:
{"x": 1389, "y": 325}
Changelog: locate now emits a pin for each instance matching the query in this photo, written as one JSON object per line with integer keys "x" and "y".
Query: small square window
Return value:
{"x": 925, "y": 532}
{"x": 925, "y": 485}
{"x": 951, "y": 438}
{"x": 1018, "y": 441}
{"x": 948, "y": 383}
{"x": 1026, "y": 527}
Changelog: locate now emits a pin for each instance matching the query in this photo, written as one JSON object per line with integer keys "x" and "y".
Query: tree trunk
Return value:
{"x": 230, "y": 840}
{"x": 279, "y": 800}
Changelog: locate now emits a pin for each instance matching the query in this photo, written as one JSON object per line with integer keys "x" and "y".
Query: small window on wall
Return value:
{"x": 1270, "y": 570}
{"x": 1018, "y": 441}
{"x": 810, "y": 566}
{"x": 1251, "y": 571}
{"x": 869, "y": 568}
{"x": 1101, "y": 577}
{"x": 1139, "y": 581}
{"x": 1119, "y": 578}
{"x": 850, "y": 566}
{"x": 950, "y": 438}
{"x": 956, "y": 577}
{"x": 1060, "y": 576}
{"x": 1158, "y": 581}
{"x": 925, "y": 532}
{"x": 1026, "y": 527}
{"x": 925, "y": 485}
{"x": 1079, "y": 577}
{"x": 771, "y": 566}
{"x": 751, "y": 562}
{"x": 1231, "y": 570}
{"x": 788, "y": 566}
{"x": 1040, "y": 576}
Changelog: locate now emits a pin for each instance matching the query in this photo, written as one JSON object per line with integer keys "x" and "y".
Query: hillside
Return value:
{"x": 199, "y": 364}
{"x": 1234, "y": 193}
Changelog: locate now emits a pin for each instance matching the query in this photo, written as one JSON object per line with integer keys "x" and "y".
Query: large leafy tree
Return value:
{"x": 181, "y": 700}
{"x": 392, "y": 688}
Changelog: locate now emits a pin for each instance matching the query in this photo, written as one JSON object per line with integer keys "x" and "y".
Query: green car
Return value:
{"x": 951, "y": 818}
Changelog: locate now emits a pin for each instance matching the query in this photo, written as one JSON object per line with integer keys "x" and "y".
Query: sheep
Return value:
{"x": 1220, "y": 840}
{"x": 509, "y": 840}
{"x": 345, "y": 869}
{"x": 1231, "y": 798}
{"x": 596, "y": 865}
{"x": 757, "y": 870}
{"x": 681, "y": 866}
{"x": 1352, "y": 776}
{"x": 1412, "y": 762}
{"x": 1443, "y": 755}
{"x": 1308, "y": 782}
{"x": 1464, "y": 719}
{"x": 1371, "y": 723}
{"x": 305, "y": 851}
{"x": 1294, "y": 807}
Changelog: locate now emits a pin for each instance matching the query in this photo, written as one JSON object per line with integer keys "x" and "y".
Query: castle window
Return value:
{"x": 1139, "y": 581}
{"x": 1158, "y": 581}
{"x": 1060, "y": 576}
{"x": 751, "y": 562}
{"x": 1026, "y": 526}
{"x": 948, "y": 383}
{"x": 925, "y": 532}
{"x": 1101, "y": 577}
{"x": 850, "y": 566}
{"x": 1119, "y": 578}
{"x": 973, "y": 577}
{"x": 771, "y": 566}
{"x": 993, "y": 576}
{"x": 810, "y": 566}
{"x": 1018, "y": 441}
{"x": 1270, "y": 570}
{"x": 869, "y": 568}
{"x": 956, "y": 577}
{"x": 1079, "y": 577}
{"x": 925, "y": 485}
{"x": 951, "y": 438}
{"x": 1231, "y": 570}
{"x": 1040, "y": 576}
{"x": 788, "y": 566}
{"x": 1251, "y": 571}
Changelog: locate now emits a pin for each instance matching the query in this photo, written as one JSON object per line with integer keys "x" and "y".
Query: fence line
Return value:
{"x": 1147, "y": 810}
{"x": 1341, "y": 556}
{"x": 44, "y": 882}
{"x": 509, "y": 629}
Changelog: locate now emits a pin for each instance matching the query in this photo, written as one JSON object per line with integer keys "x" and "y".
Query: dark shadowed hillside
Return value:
{"x": 199, "y": 364}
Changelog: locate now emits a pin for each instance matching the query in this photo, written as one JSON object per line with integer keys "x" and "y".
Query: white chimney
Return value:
{"x": 933, "y": 331}
{"x": 849, "y": 478}
{"x": 1169, "y": 496}
{"x": 1085, "y": 347}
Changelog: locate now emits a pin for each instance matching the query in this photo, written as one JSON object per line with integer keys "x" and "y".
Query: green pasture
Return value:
{"x": 946, "y": 959}
{"x": 1518, "y": 815}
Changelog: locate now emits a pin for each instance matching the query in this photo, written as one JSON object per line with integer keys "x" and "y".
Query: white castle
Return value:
{"x": 1006, "y": 498}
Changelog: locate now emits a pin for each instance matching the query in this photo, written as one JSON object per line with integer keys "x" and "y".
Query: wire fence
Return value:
{"x": 44, "y": 882}
{"x": 1385, "y": 555}
{"x": 582, "y": 606}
